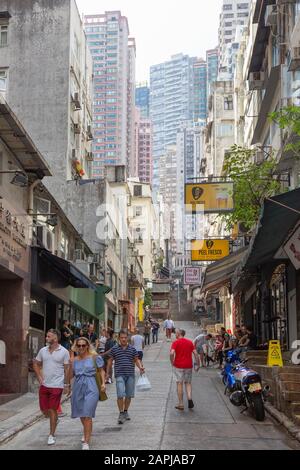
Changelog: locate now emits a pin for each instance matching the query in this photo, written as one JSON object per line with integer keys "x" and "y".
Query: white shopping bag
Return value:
{"x": 143, "y": 384}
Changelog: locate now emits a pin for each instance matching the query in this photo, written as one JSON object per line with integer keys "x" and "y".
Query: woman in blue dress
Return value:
{"x": 85, "y": 393}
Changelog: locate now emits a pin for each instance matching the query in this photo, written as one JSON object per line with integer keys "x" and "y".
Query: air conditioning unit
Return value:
{"x": 256, "y": 80}
{"x": 46, "y": 238}
{"x": 89, "y": 133}
{"x": 294, "y": 59}
{"x": 94, "y": 271}
{"x": 77, "y": 128}
{"x": 79, "y": 255}
{"x": 271, "y": 15}
{"x": 89, "y": 156}
{"x": 76, "y": 101}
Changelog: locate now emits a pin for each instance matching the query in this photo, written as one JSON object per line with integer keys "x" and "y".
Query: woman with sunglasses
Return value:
{"x": 85, "y": 393}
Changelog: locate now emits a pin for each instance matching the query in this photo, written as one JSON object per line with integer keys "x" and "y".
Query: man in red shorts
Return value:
{"x": 52, "y": 367}
{"x": 181, "y": 356}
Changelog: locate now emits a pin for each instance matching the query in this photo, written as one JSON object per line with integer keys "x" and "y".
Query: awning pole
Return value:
{"x": 283, "y": 205}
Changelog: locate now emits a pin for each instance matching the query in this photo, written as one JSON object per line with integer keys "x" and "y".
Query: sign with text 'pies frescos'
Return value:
{"x": 209, "y": 197}
{"x": 209, "y": 250}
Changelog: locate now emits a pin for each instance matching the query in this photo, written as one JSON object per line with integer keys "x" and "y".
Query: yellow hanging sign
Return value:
{"x": 274, "y": 354}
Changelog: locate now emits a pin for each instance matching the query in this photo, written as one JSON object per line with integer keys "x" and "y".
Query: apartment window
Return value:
{"x": 227, "y": 7}
{"x": 242, "y": 6}
{"x": 138, "y": 211}
{"x": 228, "y": 103}
{"x": 137, "y": 190}
{"x": 3, "y": 35}
{"x": 3, "y": 80}
{"x": 225, "y": 130}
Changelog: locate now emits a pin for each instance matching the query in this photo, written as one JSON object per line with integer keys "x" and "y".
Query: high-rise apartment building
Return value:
{"x": 144, "y": 137}
{"x": 142, "y": 99}
{"x": 113, "y": 55}
{"x": 200, "y": 89}
{"x": 171, "y": 103}
{"x": 212, "y": 61}
{"x": 234, "y": 15}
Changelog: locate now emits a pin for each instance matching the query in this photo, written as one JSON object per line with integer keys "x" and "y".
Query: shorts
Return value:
{"x": 49, "y": 398}
{"x": 200, "y": 349}
{"x": 141, "y": 355}
{"x": 125, "y": 386}
{"x": 183, "y": 375}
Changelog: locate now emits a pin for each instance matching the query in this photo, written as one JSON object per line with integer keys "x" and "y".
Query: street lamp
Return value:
{"x": 20, "y": 178}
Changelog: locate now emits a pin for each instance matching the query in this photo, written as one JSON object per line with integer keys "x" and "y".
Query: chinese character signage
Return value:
{"x": 192, "y": 276}
{"x": 292, "y": 248}
{"x": 209, "y": 250}
{"x": 209, "y": 197}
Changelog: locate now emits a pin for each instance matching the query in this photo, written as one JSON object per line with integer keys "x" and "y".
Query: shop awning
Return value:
{"x": 275, "y": 224}
{"x": 219, "y": 273}
{"x": 75, "y": 277}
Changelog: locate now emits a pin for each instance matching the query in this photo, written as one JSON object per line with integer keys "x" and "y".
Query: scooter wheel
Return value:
{"x": 258, "y": 408}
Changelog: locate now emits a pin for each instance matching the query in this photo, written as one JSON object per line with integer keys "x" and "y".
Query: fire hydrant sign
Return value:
{"x": 192, "y": 275}
{"x": 274, "y": 354}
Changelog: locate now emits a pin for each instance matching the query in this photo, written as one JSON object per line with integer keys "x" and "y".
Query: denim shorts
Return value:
{"x": 183, "y": 375}
{"x": 125, "y": 386}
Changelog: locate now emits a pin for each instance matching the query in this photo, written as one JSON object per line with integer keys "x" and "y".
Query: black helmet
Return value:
{"x": 237, "y": 398}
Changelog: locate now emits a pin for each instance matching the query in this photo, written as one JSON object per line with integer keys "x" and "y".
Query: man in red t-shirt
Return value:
{"x": 181, "y": 357}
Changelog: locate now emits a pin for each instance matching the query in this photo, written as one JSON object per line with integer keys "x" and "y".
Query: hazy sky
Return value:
{"x": 164, "y": 27}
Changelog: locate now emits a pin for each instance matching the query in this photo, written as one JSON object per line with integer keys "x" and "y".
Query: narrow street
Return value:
{"x": 156, "y": 425}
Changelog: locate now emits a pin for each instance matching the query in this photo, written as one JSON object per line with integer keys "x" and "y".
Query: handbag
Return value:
{"x": 102, "y": 394}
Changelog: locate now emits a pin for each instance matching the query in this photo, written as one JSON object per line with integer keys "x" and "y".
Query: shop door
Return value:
{"x": 279, "y": 318}
{"x": 50, "y": 316}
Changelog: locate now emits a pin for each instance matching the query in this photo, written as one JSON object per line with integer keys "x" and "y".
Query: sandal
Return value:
{"x": 179, "y": 407}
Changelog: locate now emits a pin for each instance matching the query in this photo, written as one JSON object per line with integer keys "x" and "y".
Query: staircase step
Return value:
{"x": 291, "y": 386}
{"x": 291, "y": 396}
{"x": 290, "y": 370}
{"x": 286, "y": 377}
{"x": 295, "y": 407}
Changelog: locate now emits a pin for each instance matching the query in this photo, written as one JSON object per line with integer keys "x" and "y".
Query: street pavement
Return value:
{"x": 155, "y": 423}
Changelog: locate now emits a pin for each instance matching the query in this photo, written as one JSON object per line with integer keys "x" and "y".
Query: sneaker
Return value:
{"x": 62, "y": 415}
{"x": 191, "y": 404}
{"x": 122, "y": 418}
{"x": 82, "y": 439}
{"x": 126, "y": 415}
{"x": 51, "y": 440}
{"x": 85, "y": 446}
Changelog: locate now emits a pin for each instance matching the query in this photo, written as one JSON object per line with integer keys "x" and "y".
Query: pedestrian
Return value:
{"x": 92, "y": 337}
{"x": 125, "y": 357}
{"x": 66, "y": 335}
{"x": 169, "y": 327}
{"x": 226, "y": 346}
{"x": 102, "y": 341}
{"x": 147, "y": 331}
{"x": 138, "y": 343}
{"x": 181, "y": 356}
{"x": 85, "y": 393}
{"x": 52, "y": 368}
{"x": 199, "y": 342}
{"x": 110, "y": 343}
{"x": 209, "y": 350}
{"x": 155, "y": 329}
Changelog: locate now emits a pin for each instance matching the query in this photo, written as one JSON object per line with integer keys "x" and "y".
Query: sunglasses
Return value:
{"x": 81, "y": 345}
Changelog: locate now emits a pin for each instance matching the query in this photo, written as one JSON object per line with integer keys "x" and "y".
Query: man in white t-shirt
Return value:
{"x": 169, "y": 327}
{"x": 138, "y": 342}
{"x": 52, "y": 368}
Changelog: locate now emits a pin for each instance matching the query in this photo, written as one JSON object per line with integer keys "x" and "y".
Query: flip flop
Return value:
{"x": 179, "y": 407}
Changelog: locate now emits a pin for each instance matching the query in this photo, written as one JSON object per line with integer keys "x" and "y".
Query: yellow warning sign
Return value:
{"x": 274, "y": 354}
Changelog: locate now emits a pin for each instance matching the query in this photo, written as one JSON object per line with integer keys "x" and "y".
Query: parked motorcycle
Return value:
{"x": 245, "y": 386}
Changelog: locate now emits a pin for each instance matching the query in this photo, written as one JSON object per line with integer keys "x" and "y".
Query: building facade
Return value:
{"x": 114, "y": 77}
{"x": 142, "y": 99}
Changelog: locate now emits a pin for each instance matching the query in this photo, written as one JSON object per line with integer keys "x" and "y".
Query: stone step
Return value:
{"x": 291, "y": 396}
{"x": 285, "y": 377}
{"x": 291, "y": 386}
{"x": 7, "y": 397}
{"x": 289, "y": 370}
{"x": 295, "y": 407}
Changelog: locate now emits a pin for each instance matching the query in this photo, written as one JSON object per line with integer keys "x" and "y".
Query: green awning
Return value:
{"x": 90, "y": 301}
{"x": 275, "y": 224}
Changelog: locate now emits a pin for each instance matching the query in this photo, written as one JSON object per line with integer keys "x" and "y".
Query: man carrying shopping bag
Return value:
{"x": 125, "y": 357}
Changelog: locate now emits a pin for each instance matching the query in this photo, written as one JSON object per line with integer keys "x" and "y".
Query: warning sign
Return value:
{"x": 274, "y": 354}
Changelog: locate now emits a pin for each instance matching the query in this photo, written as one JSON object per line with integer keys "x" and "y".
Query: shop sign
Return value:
{"x": 209, "y": 197}
{"x": 192, "y": 276}
{"x": 12, "y": 235}
{"x": 209, "y": 250}
{"x": 292, "y": 248}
